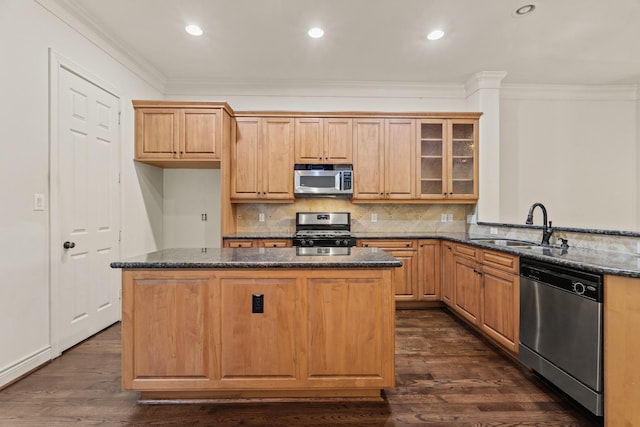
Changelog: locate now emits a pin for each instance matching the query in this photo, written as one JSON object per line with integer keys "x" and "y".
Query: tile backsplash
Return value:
{"x": 390, "y": 217}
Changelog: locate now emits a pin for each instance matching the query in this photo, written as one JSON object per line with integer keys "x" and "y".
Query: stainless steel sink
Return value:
{"x": 523, "y": 244}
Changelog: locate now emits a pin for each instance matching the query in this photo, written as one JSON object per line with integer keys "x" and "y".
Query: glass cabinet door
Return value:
{"x": 463, "y": 137}
{"x": 448, "y": 159}
{"x": 432, "y": 159}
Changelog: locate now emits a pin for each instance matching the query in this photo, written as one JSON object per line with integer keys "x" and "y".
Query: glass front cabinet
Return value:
{"x": 448, "y": 159}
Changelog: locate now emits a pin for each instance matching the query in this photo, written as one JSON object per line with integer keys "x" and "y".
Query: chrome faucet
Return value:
{"x": 546, "y": 228}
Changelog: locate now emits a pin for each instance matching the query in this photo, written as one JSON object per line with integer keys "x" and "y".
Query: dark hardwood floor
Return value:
{"x": 446, "y": 376}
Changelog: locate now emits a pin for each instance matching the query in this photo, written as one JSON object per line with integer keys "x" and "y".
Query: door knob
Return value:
{"x": 69, "y": 245}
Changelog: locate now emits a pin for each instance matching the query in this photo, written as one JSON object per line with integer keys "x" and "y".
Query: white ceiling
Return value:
{"x": 585, "y": 42}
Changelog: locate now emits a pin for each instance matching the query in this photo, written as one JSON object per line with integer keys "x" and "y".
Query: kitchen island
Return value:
{"x": 244, "y": 323}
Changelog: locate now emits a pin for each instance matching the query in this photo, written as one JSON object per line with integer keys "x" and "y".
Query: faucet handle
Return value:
{"x": 550, "y": 222}
{"x": 565, "y": 242}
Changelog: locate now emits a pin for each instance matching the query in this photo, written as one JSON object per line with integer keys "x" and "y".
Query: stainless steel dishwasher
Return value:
{"x": 561, "y": 315}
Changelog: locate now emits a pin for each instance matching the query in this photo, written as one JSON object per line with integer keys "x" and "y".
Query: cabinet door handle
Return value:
{"x": 69, "y": 245}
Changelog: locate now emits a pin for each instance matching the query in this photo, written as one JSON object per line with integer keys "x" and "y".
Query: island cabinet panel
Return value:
{"x": 343, "y": 338}
{"x": 259, "y": 345}
{"x": 166, "y": 329}
{"x": 197, "y": 333}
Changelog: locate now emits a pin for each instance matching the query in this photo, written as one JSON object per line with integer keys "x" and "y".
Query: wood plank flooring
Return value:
{"x": 447, "y": 375}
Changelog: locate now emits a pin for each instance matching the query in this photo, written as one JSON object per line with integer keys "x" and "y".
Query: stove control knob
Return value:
{"x": 337, "y": 242}
{"x": 345, "y": 242}
{"x": 578, "y": 288}
{"x": 309, "y": 242}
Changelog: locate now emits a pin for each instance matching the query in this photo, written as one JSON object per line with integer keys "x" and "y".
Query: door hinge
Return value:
{"x": 118, "y": 177}
{"x": 119, "y": 115}
{"x": 119, "y": 236}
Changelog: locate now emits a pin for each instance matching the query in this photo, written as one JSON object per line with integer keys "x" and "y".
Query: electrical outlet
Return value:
{"x": 257, "y": 303}
{"x": 450, "y": 217}
{"x": 471, "y": 219}
{"x": 443, "y": 218}
{"x": 261, "y": 217}
{"x": 493, "y": 230}
{"x": 374, "y": 217}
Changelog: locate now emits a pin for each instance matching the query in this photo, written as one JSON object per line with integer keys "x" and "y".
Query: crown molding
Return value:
{"x": 72, "y": 14}
{"x": 360, "y": 89}
{"x": 484, "y": 80}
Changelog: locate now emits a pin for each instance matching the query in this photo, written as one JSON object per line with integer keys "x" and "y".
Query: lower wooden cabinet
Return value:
{"x": 500, "y": 301}
{"x": 322, "y": 332}
{"x": 485, "y": 291}
{"x": 467, "y": 290}
{"x": 447, "y": 278}
{"x": 405, "y": 278}
{"x": 429, "y": 270}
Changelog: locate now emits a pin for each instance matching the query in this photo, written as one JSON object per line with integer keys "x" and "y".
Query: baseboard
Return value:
{"x": 17, "y": 370}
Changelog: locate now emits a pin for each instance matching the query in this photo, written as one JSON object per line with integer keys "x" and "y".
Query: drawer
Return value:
{"x": 239, "y": 243}
{"x": 467, "y": 251}
{"x": 388, "y": 244}
{"x": 276, "y": 243}
{"x": 501, "y": 261}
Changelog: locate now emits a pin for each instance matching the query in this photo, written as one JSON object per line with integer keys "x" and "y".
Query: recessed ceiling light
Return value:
{"x": 435, "y": 35}
{"x": 316, "y": 32}
{"x": 194, "y": 30}
{"x": 525, "y": 10}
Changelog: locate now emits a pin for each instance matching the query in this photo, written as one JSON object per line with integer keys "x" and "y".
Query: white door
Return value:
{"x": 87, "y": 206}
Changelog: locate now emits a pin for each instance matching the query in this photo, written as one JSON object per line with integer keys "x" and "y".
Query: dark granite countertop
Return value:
{"x": 257, "y": 258}
{"x": 596, "y": 261}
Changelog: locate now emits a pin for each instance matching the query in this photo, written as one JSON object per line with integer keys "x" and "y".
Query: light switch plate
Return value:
{"x": 374, "y": 217}
{"x": 38, "y": 202}
{"x": 450, "y": 217}
{"x": 261, "y": 217}
{"x": 443, "y": 218}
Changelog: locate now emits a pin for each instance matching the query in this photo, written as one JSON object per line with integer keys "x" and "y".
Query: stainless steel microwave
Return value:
{"x": 323, "y": 180}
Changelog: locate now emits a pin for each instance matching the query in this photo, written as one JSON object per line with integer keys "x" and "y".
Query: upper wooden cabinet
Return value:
{"x": 448, "y": 156}
{"x": 323, "y": 140}
{"x": 384, "y": 159}
{"x": 177, "y": 134}
{"x": 262, "y": 159}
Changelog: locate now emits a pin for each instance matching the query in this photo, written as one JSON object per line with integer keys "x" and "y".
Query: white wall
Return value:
{"x": 574, "y": 150}
{"x": 187, "y": 195}
{"x": 24, "y": 169}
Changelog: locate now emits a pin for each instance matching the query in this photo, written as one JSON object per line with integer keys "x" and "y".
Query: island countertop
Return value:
{"x": 200, "y": 258}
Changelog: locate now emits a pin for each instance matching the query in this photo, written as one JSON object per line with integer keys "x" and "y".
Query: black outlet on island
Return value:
{"x": 257, "y": 303}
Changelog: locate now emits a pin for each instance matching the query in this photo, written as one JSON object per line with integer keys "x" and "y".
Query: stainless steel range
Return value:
{"x": 323, "y": 233}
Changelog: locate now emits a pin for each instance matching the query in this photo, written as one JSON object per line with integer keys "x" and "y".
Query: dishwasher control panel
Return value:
{"x": 585, "y": 284}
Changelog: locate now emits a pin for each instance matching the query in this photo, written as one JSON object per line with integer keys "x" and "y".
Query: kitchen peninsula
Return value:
{"x": 263, "y": 322}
